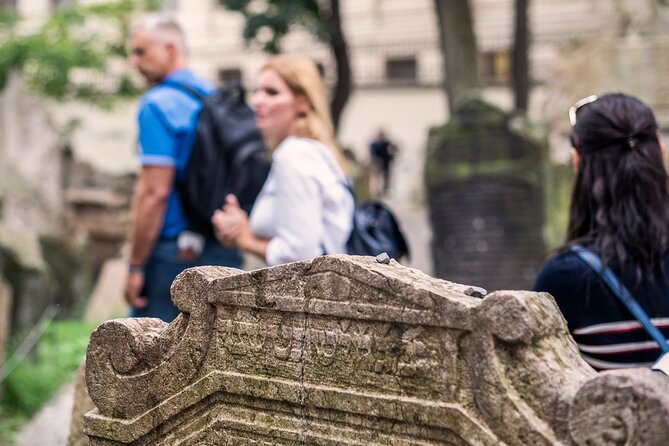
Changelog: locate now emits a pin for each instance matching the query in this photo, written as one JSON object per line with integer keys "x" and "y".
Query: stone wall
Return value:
{"x": 24, "y": 269}
{"x": 30, "y": 199}
{"x": 345, "y": 350}
{"x": 98, "y": 205}
{"x": 30, "y": 162}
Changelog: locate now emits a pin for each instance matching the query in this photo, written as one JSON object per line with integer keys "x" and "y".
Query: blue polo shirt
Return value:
{"x": 167, "y": 123}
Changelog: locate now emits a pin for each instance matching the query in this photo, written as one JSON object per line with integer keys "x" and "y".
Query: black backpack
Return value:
{"x": 229, "y": 156}
{"x": 375, "y": 230}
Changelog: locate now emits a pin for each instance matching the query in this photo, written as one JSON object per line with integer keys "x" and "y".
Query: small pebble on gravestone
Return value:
{"x": 383, "y": 258}
{"x": 476, "y": 291}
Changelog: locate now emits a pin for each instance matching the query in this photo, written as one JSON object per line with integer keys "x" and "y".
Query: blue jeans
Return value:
{"x": 164, "y": 265}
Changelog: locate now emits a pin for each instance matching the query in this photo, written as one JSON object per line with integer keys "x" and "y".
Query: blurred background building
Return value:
{"x": 578, "y": 47}
{"x": 396, "y": 65}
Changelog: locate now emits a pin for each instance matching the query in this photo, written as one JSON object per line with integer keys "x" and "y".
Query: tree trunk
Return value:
{"x": 11, "y": 4}
{"x": 340, "y": 51}
{"x": 458, "y": 45}
{"x": 521, "y": 62}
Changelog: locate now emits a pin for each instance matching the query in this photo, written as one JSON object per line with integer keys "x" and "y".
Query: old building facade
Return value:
{"x": 395, "y": 57}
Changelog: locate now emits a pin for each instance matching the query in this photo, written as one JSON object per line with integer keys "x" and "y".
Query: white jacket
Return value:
{"x": 304, "y": 207}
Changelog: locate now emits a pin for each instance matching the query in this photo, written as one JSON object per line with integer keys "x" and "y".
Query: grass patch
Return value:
{"x": 37, "y": 379}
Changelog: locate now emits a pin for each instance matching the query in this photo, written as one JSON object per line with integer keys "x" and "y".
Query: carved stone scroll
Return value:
{"x": 343, "y": 350}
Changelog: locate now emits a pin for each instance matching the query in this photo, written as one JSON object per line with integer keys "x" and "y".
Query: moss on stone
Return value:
{"x": 482, "y": 139}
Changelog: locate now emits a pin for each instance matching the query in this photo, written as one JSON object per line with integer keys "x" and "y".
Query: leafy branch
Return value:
{"x": 78, "y": 40}
{"x": 269, "y": 21}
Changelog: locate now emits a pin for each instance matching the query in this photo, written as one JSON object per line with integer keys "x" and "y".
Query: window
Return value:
{"x": 496, "y": 67}
{"x": 401, "y": 69}
{"x": 227, "y": 75}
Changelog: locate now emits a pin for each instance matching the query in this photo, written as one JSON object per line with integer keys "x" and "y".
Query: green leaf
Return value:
{"x": 69, "y": 41}
{"x": 276, "y": 17}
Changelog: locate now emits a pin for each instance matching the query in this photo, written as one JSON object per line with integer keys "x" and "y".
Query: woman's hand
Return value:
{"x": 232, "y": 228}
{"x": 231, "y": 223}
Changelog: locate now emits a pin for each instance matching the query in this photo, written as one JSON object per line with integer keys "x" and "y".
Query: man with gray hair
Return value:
{"x": 163, "y": 243}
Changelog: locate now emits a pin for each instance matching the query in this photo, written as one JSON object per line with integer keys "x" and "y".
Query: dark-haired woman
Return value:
{"x": 620, "y": 211}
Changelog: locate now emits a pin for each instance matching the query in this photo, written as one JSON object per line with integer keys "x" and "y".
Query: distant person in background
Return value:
{"x": 619, "y": 211}
{"x": 382, "y": 152}
{"x": 304, "y": 209}
{"x": 162, "y": 243}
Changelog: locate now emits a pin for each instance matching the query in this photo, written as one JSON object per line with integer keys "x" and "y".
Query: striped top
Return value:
{"x": 606, "y": 333}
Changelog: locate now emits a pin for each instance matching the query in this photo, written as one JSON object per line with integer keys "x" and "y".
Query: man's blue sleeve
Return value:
{"x": 157, "y": 139}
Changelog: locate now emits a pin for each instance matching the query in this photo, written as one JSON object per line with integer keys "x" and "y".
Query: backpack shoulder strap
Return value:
{"x": 185, "y": 88}
{"x": 622, "y": 293}
{"x": 233, "y": 88}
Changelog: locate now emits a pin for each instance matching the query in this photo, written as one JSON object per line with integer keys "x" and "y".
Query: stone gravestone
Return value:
{"x": 23, "y": 267}
{"x": 484, "y": 179}
{"x": 344, "y": 350}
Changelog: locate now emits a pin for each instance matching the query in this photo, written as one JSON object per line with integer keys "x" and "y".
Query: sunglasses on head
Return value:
{"x": 573, "y": 110}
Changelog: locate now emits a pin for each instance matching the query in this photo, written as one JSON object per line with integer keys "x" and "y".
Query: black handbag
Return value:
{"x": 375, "y": 230}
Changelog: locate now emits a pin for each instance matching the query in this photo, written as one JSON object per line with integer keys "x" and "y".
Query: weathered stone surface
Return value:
{"x": 24, "y": 268}
{"x": 626, "y": 407}
{"x": 42, "y": 269}
{"x": 485, "y": 188}
{"x": 98, "y": 204}
{"x": 24, "y": 246}
{"x": 342, "y": 350}
{"x": 82, "y": 404}
{"x": 68, "y": 262}
{"x": 30, "y": 161}
{"x": 101, "y": 213}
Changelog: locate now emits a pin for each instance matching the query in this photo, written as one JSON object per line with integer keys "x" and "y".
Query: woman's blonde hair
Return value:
{"x": 304, "y": 79}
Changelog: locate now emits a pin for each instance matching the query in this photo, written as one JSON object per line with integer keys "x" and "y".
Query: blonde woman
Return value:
{"x": 304, "y": 209}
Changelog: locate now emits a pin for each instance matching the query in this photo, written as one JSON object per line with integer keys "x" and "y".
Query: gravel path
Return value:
{"x": 51, "y": 425}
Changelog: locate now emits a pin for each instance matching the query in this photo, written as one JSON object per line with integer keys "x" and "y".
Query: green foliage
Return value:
{"x": 268, "y": 21}
{"x": 558, "y": 183}
{"x": 58, "y": 355}
{"x": 7, "y": 18}
{"x": 152, "y": 5}
{"x": 74, "y": 38}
